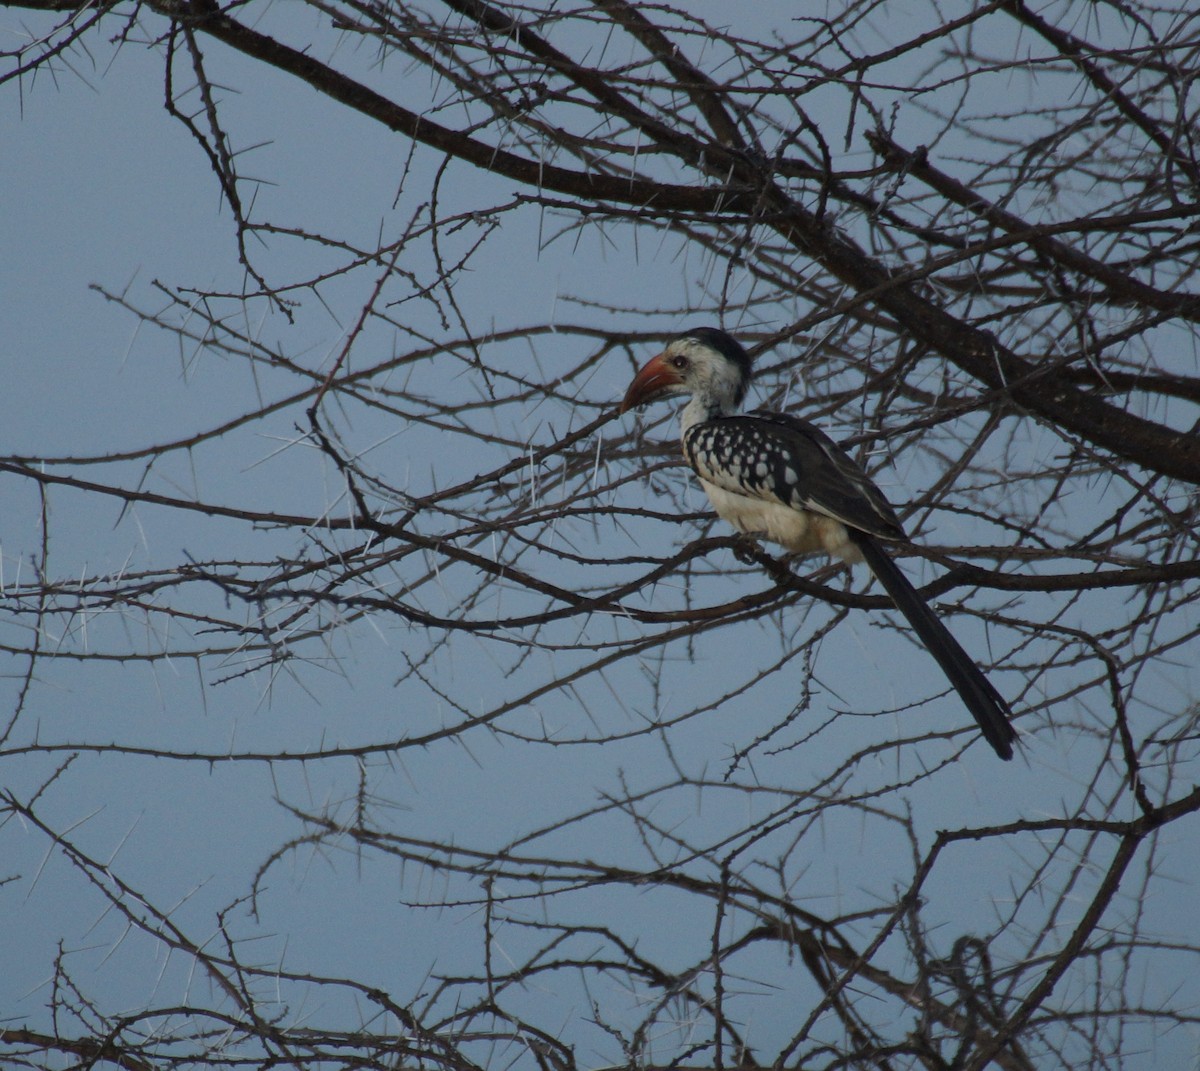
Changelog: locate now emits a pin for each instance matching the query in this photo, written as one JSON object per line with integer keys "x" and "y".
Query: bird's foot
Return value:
{"x": 746, "y": 550}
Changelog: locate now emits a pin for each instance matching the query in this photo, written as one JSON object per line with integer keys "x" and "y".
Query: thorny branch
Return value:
{"x": 968, "y": 246}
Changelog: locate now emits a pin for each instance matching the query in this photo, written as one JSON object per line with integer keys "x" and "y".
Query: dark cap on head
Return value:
{"x": 729, "y": 348}
{"x": 724, "y": 343}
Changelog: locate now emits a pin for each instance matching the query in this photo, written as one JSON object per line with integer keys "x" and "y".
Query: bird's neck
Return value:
{"x": 701, "y": 408}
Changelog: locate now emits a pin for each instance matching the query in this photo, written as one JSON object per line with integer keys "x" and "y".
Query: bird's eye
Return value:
{"x": 679, "y": 361}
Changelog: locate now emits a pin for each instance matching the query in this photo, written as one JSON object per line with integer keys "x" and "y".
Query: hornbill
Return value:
{"x": 778, "y": 477}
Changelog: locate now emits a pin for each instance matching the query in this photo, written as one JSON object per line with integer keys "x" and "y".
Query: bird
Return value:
{"x": 778, "y": 477}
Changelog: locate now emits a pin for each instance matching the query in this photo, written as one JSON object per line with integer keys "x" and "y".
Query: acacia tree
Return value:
{"x": 696, "y": 803}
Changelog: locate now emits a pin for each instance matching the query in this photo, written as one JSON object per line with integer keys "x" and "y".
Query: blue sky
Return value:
{"x": 102, "y": 188}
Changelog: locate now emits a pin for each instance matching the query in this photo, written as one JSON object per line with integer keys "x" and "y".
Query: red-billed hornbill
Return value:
{"x": 776, "y": 476}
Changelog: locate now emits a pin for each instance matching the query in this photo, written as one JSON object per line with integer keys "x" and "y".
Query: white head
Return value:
{"x": 706, "y": 363}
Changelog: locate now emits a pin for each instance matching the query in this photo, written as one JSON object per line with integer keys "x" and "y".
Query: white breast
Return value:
{"x": 800, "y": 531}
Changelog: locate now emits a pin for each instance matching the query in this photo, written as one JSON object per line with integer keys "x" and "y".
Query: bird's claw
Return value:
{"x": 746, "y": 550}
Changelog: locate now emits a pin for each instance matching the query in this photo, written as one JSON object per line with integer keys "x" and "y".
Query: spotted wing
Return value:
{"x": 781, "y": 458}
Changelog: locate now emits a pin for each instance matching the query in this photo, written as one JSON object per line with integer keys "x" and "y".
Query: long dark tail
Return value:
{"x": 981, "y": 699}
